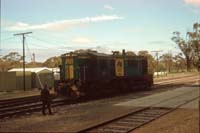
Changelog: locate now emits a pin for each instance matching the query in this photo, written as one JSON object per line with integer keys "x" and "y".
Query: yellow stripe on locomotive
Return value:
{"x": 69, "y": 69}
{"x": 119, "y": 67}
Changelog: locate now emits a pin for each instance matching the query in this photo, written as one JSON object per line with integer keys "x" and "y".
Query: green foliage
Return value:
{"x": 34, "y": 64}
{"x": 167, "y": 61}
{"x": 130, "y": 53}
{"x": 13, "y": 56}
{"x": 189, "y": 46}
{"x": 194, "y": 38}
{"x": 151, "y": 61}
{"x": 52, "y": 62}
{"x": 11, "y": 60}
{"x": 14, "y": 60}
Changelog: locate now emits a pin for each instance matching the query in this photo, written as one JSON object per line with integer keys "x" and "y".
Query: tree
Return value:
{"x": 151, "y": 61}
{"x": 130, "y": 53}
{"x": 13, "y": 56}
{"x": 185, "y": 46}
{"x": 180, "y": 62}
{"x": 191, "y": 46}
{"x": 167, "y": 60}
{"x": 11, "y": 60}
{"x": 34, "y": 64}
{"x": 52, "y": 62}
{"x": 194, "y": 38}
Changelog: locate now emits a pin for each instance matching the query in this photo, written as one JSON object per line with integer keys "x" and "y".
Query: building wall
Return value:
{"x": 7, "y": 81}
{"x": 14, "y": 80}
{"x": 20, "y": 81}
{"x": 44, "y": 77}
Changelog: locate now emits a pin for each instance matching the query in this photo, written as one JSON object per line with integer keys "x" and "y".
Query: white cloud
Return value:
{"x": 193, "y": 2}
{"x": 82, "y": 40}
{"x": 63, "y": 24}
{"x": 196, "y": 10}
{"x": 5, "y": 22}
{"x": 193, "y": 5}
{"x": 108, "y": 7}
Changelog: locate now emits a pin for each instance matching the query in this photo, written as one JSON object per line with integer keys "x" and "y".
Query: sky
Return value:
{"x": 60, "y": 26}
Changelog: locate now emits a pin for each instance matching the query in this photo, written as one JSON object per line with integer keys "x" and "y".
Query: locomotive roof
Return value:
{"x": 96, "y": 54}
{"x": 86, "y": 53}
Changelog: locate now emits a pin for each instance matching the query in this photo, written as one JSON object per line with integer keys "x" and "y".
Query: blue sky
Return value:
{"x": 60, "y": 26}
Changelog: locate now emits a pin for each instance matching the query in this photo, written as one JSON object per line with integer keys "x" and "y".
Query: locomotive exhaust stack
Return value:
{"x": 123, "y": 52}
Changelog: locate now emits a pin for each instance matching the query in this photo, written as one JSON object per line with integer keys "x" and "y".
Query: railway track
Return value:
{"x": 19, "y": 106}
{"x": 18, "y": 101}
{"x": 129, "y": 122}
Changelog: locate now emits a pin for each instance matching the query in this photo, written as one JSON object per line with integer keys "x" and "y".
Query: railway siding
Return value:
{"x": 76, "y": 117}
{"x": 163, "y": 99}
{"x": 156, "y": 106}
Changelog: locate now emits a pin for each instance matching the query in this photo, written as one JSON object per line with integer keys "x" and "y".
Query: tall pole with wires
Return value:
{"x": 157, "y": 60}
{"x": 23, "y": 36}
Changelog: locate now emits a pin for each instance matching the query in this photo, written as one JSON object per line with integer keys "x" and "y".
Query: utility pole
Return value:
{"x": 23, "y": 35}
{"x": 169, "y": 60}
{"x": 157, "y": 51}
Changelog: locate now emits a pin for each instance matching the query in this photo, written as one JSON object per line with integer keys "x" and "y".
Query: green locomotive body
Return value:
{"x": 93, "y": 74}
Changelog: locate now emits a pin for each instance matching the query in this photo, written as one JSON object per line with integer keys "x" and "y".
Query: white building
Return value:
{"x": 39, "y": 76}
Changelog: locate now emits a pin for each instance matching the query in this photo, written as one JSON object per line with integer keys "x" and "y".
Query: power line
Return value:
{"x": 29, "y": 52}
{"x": 45, "y": 47}
{"x": 7, "y": 39}
{"x": 36, "y": 38}
{"x": 38, "y": 46}
{"x": 52, "y": 44}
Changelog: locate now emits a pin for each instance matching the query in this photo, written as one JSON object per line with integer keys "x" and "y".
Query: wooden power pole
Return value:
{"x": 23, "y": 35}
{"x": 157, "y": 51}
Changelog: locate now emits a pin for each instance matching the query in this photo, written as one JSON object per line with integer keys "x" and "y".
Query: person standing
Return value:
{"x": 46, "y": 100}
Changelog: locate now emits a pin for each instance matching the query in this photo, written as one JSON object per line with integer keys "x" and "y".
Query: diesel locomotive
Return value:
{"x": 93, "y": 74}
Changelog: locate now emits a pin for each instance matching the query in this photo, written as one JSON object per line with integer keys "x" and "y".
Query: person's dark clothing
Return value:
{"x": 46, "y": 100}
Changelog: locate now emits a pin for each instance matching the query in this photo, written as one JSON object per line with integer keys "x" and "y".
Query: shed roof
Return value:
{"x": 36, "y": 70}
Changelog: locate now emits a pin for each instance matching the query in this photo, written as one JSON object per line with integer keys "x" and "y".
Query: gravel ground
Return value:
{"x": 183, "y": 120}
{"x": 179, "y": 121}
{"x": 71, "y": 118}
{"x": 68, "y": 118}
